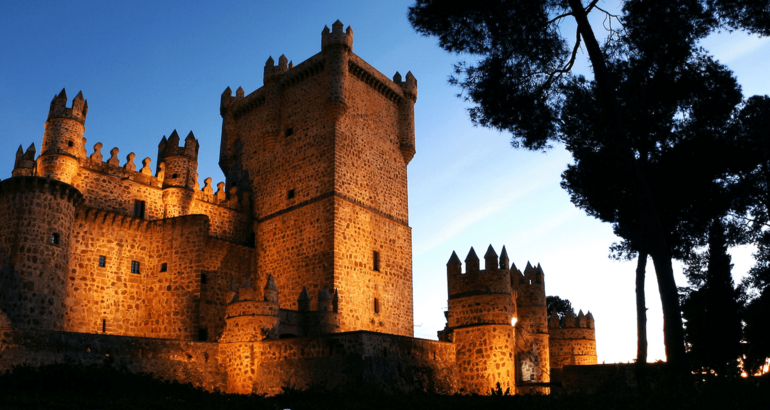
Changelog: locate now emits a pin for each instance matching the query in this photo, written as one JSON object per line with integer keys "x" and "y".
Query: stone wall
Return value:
{"x": 297, "y": 248}
{"x": 572, "y": 346}
{"x": 112, "y": 188}
{"x": 353, "y": 360}
{"x": 485, "y": 357}
{"x": 185, "y": 362}
{"x": 358, "y": 233}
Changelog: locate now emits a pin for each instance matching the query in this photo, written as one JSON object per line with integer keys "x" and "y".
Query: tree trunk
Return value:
{"x": 653, "y": 239}
{"x": 641, "y": 325}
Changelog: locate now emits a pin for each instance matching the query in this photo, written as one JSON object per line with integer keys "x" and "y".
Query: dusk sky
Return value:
{"x": 149, "y": 67}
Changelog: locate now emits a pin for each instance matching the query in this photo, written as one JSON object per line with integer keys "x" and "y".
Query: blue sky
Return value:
{"x": 148, "y": 68}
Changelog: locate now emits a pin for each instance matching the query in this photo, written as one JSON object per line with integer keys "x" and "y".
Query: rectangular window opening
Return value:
{"x": 376, "y": 305}
{"x": 55, "y": 238}
{"x": 203, "y": 335}
{"x": 289, "y": 132}
{"x": 290, "y": 194}
{"x": 70, "y": 143}
{"x": 203, "y": 279}
{"x": 138, "y": 209}
{"x": 135, "y": 267}
{"x": 104, "y": 325}
{"x": 102, "y": 261}
{"x": 376, "y": 261}
{"x": 163, "y": 267}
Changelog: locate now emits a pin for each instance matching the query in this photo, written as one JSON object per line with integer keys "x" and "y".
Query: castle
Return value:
{"x": 296, "y": 271}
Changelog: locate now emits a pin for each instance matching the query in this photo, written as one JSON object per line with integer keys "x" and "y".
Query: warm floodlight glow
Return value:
{"x": 513, "y": 322}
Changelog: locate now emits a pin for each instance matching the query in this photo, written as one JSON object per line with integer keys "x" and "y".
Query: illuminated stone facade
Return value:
{"x": 296, "y": 271}
{"x": 498, "y": 321}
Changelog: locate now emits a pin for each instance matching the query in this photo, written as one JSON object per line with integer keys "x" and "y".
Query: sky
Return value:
{"x": 149, "y": 67}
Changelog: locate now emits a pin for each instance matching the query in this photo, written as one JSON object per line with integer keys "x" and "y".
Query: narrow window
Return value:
{"x": 134, "y": 267}
{"x": 203, "y": 279}
{"x": 290, "y": 194}
{"x": 289, "y": 132}
{"x": 163, "y": 267}
{"x": 376, "y": 261}
{"x": 70, "y": 143}
{"x": 102, "y": 261}
{"x": 376, "y": 305}
{"x": 104, "y": 325}
{"x": 174, "y": 176}
{"x": 203, "y": 335}
{"x": 532, "y": 376}
{"x": 138, "y": 209}
{"x": 55, "y": 239}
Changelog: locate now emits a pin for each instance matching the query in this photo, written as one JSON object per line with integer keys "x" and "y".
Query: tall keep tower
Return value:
{"x": 323, "y": 148}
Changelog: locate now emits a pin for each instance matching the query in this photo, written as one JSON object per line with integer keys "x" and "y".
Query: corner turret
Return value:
{"x": 336, "y": 37}
{"x": 180, "y": 170}
{"x": 63, "y": 142}
{"x": 336, "y": 47}
{"x": 406, "y": 115}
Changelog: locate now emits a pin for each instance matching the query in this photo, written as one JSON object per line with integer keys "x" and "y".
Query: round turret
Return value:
{"x": 482, "y": 309}
{"x": 36, "y": 216}
{"x": 180, "y": 171}
{"x": 63, "y": 142}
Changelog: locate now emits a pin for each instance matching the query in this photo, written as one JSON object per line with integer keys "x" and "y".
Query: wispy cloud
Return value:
{"x": 731, "y": 47}
{"x": 489, "y": 207}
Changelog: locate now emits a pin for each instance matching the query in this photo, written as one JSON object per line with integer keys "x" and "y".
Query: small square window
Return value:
{"x": 163, "y": 267}
{"x": 70, "y": 143}
{"x": 174, "y": 176}
{"x": 55, "y": 239}
{"x": 135, "y": 267}
{"x": 376, "y": 305}
{"x": 138, "y": 209}
{"x": 289, "y": 132}
{"x": 375, "y": 261}
{"x": 102, "y": 261}
{"x": 290, "y": 194}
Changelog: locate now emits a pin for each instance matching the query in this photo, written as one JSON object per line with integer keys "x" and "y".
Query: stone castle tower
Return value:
{"x": 323, "y": 148}
{"x": 297, "y": 270}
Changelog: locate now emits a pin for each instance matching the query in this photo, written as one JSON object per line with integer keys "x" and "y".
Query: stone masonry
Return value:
{"x": 295, "y": 271}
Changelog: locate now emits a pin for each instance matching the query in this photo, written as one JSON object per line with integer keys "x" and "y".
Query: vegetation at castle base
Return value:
{"x": 64, "y": 386}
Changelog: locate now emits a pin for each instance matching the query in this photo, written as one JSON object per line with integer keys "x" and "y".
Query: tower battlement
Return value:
{"x": 59, "y": 108}
{"x": 337, "y": 37}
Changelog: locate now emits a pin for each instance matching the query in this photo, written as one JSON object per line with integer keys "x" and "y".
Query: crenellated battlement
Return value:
{"x": 127, "y": 171}
{"x": 475, "y": 281}
{"x": 113, "y": 219}
{"x": 170, "y": 147}
{"x": 337, "y": 37}
{"x": 29, "y": 184}
{"x": 59, "y": 108}
{"x": 570, "y": 321}
{"x": 24, "y": 165}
